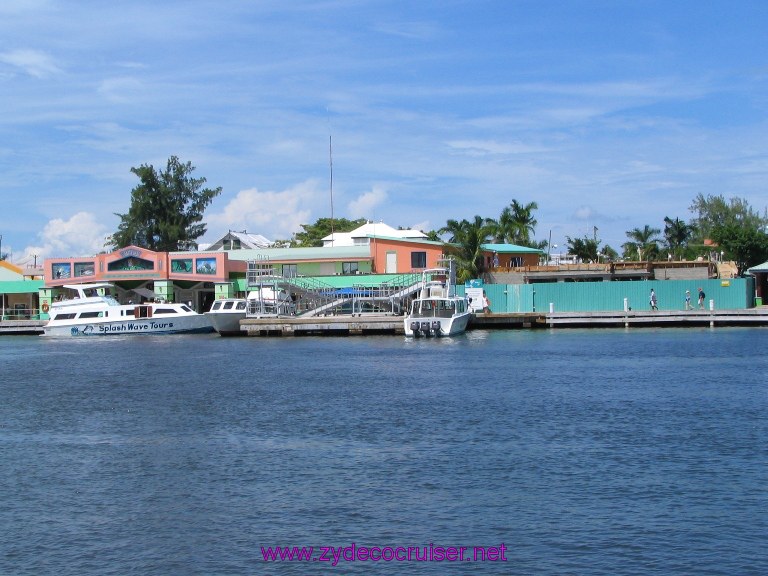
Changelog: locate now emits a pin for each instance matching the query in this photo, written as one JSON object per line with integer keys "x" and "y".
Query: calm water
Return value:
{"x": 582, "y": 452}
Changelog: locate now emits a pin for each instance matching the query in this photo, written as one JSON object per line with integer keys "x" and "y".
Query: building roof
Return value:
{"x": 759, "y": 268}
{"x": 423, "y": 240}
{"x": 246, "y": 241}
{"x": 10, "y": 271}
{"x": 20, "y": 286}
{"x": 300, "y": 254}
{"x": 368, "y": 230}
{"x": 511, "y": 249}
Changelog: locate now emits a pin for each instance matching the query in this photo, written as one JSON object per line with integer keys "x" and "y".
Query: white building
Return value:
{"x": 362, "y": 236}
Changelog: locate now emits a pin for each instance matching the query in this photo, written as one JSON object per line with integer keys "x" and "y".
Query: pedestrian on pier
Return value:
{"x": 653, "y": 300}
{"x": 702, "y": 296}
{"x": 688, "y": 305}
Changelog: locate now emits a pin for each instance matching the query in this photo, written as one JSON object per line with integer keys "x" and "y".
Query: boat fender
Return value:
{"x": 45, "y": 307}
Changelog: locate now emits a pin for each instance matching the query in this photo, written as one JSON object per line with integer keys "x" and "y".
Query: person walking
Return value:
{"x": 653, "y": 300}
{"x": 486, "y": 303}
{"x": 702, "y": 296}
{"x": 688, "y": 305}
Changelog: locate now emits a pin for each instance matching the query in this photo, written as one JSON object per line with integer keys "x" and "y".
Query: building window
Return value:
{"x": 84, "y": 268}
{"x": 182, "y": 265}
{"x": 349, "y": 267}
{"x": 206, "y": 265}
{"x": 61, "y": 271}
{"x": 418, "y": 260}
{"x": 290, "y": 271}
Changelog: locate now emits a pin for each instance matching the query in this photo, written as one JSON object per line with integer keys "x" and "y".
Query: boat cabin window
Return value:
{"x": 142, "y": 311}
{"x": 216, "y": 305}
{"x": 165, "y": 311}
{"x": 240, "y": 305}
{"x": 186, "y": 308}
{"x": 64, "y": 316}
{"x": 228, "y": 305}
{"x": 91, "y": 315}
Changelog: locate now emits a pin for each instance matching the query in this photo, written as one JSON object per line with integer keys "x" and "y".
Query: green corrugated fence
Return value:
{"x": 736, "y": 293}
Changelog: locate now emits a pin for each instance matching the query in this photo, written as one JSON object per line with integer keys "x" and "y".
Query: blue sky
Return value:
{"x": 608, "y": 114}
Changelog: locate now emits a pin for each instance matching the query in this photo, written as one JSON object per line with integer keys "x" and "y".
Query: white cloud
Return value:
{"x": 122, "y": 90}
{"x": 79, "y": 235}
{"x": 363, "y": 205}
{"x": 583, "y": 213}
{"x": 33, "y": 62}
{"x": 276, "y": 215}
{"x": 484, "y": 147}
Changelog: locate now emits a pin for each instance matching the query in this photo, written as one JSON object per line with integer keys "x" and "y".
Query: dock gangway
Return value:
{"x": 309, "y": 296}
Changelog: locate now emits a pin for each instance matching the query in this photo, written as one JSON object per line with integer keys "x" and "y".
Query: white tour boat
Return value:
{"x": 437, "y": 310}
{"x": 91, "y": 311}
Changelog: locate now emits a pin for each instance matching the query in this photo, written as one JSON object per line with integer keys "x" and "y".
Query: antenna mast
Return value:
{"x": 330, "y": 163}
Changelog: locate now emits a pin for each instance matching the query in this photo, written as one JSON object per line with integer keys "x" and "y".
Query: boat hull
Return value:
{"x": 227, "y": 323}
{"x": 436, "y": 326}
{"x": 197, "y": 324}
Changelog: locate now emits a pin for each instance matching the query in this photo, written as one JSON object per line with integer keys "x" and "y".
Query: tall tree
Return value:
{"x": 643, "y": 243}
{"x": 166, "y": 212}
{"x": 313, "y": 234}
{"x": 715, "y": 211}
{"x": 466, "y": 240}
{"x": 746, "y": 246}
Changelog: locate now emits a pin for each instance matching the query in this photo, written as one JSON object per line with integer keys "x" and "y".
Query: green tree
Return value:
{"x": 166, "y": 211}
{"x": 516, "y": 224}
{"x": 313, "y": 234}
{"x": 715, "y": 211}
{"x": 643, "y": 244}
{"x": 609, "y": 253}
{"x": 466, "y": 239}
{"x": 586, "y": 249}
{"x": 746, "y": 246}
{"x": 676, "y": 236}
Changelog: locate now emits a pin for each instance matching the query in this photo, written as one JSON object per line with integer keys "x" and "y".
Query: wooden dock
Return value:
{"x": 387, "y": 324}
{"x": 661, "y": 318}
{"x": 323, "y": 325}
{"x": 21, "y": 327}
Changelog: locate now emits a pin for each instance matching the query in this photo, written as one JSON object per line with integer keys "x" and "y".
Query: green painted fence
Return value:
{"x": 736, "y": 293}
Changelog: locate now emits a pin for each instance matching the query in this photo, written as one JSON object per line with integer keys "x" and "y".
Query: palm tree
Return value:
{"x": 466, "y": 241}
{"x": 676, "y": 233}
{"x": 643, "y": 243}
{"x": 526, "y": 223}
{"x": 516, "y": 224}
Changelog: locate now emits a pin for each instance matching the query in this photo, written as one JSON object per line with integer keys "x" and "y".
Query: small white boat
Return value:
{"x": 92, "y": 311}
{"x": 265, "y": 301}
{"x": 225, "y": 316}
{"x": 437, "y": 311}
